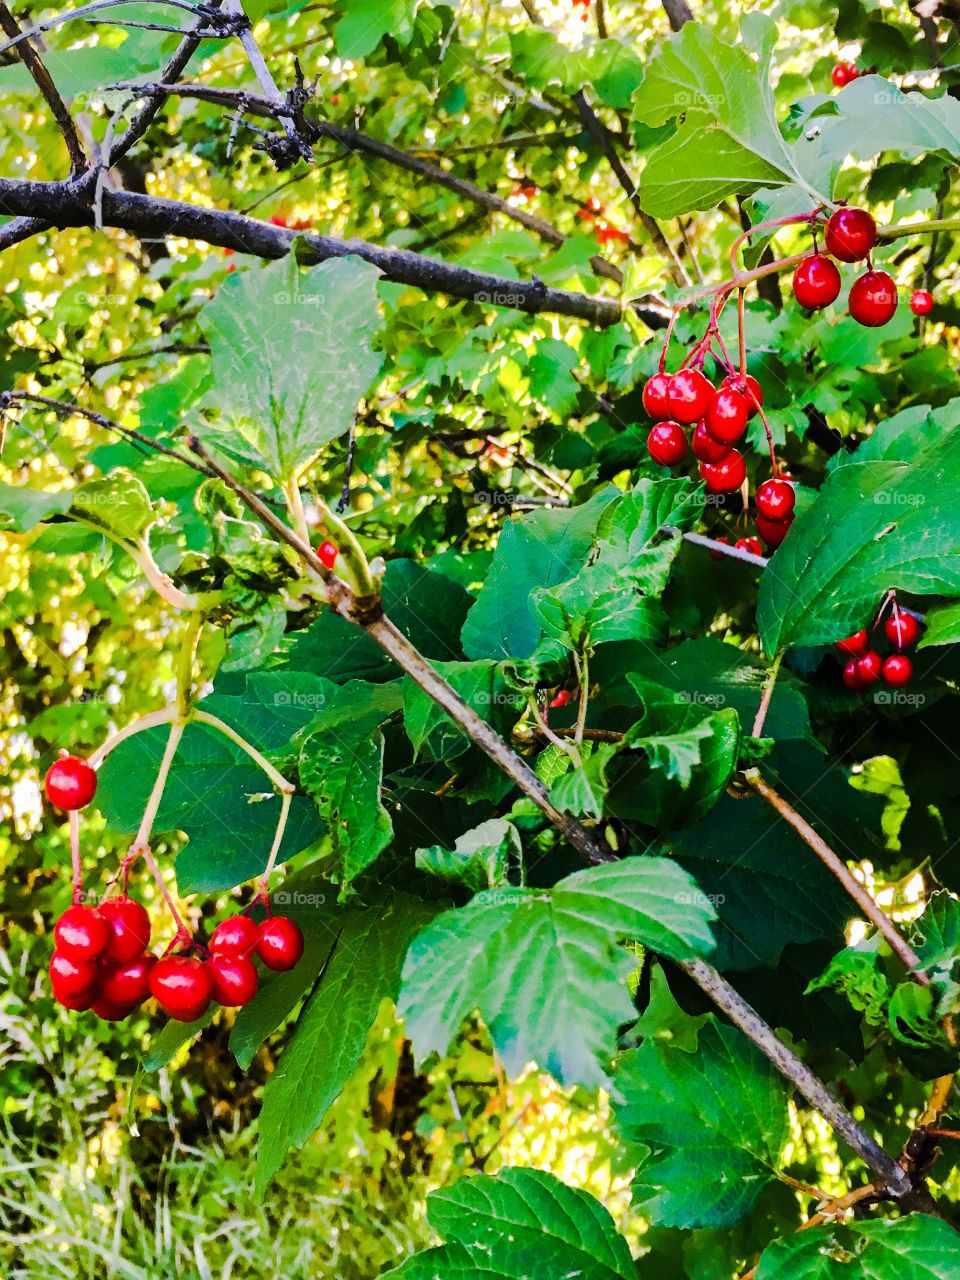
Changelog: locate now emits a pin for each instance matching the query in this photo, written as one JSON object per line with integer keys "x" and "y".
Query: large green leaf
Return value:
{"x": 321, "y": 1055}
{"x": 913, "y": 1248}
{"x": 869, "y": 529}
{"x": 713, "y": 1123}
{"x": 482, "y": 685}
{"x": 521, "y": 1225}
{"x": 872, "y": 115}
{"x": 291, "y": 355}
{"x": 544, "y": 967}
{"x": 27, "y": 507}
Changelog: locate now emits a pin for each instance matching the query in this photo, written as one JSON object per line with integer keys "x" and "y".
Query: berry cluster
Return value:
{"x": 849, "y": 236}
{"x": 845, "y": 73}
{"x": 865, "y": 665}
{"x": 101, "y": 962}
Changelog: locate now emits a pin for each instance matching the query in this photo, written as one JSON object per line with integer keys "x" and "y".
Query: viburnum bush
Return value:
{"x": 489, "y": 487}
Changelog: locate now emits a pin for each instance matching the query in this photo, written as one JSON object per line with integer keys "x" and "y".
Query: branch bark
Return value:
{"x": 678, "y": 13}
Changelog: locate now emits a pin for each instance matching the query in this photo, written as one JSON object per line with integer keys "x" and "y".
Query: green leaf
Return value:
{"x": 713, "y": 1121}
{"x": 118, "y": 504}
{"x": 306, "y": 337}
{"x": 365, "y": 22}
{"x": 29, "y": 507}
{"x": 872, "y": 115}
{"x": 522, "y": 1224}
{"x": 936, "y": 938}
{"x": 165, "y": 1046}
{"x": 869, "y": 529}
{"x": 478, "y": 860}
{"x": 482, "y": 685}
{"x": 942, "y": 625}
{"x": 918, "y": 1247}
{"x": 544, "y": 967}
{"x": 856, "y": 972}
{"x": 321, "y": 1055}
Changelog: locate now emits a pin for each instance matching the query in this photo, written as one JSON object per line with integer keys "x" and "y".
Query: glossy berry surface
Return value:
{"x": 753, "y": 545}
{"x": 921, "y": 302}
{"x": 560, "y": 699}
{"x": 853, "y": 646}
{"x": 873, "y": 298}
{"x": 776, "y": 499}
{"x": 902, "y": 630}
{"x": 234, "y": 980}
{"x": 850, "y": 677}
{"x": 705, "y": 447}
{"x": 235, "y": 936}
{"x": 897, "y": 670}
{"x": 181, "y": 986}
{"x": 726, "y": 476}
{"x": 749, "y": 388}
{"x": 869, "y": 666}
{"x": 129, "y": 983}
{"x": 129, "y": 929}
{"x": 68, "y": 978}
{"x": 70, "y": 783}
{"x": 280, "y": 944}
{"x": 327, "y": 554}
{"x": 109, "y": 1011}
{"x": 727, "y": 415}
{"x": 843, "y": 73}
{"x": 656, "y": 396}
{"x": 850, "y": 234}
{"x": 82, "y": 933}
{"x": 816, "y": 282}
{"x": 667, "y": 443}
{"x": 773, "y": 532}
{"x": 690, "y": 394}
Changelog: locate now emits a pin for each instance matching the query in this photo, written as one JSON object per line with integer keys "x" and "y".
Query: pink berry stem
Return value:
{"x": 771, "y": 225}
{"x": 76, "y": 866}
{"x": 151, "y": 721}
{"x": 674, "y": 315}
{"x": 182, "y": 931}
{"x": 286, "y": 798}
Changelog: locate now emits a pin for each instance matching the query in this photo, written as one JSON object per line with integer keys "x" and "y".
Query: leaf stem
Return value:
{"x": 280, "y": 783}
{"x": 768, "y": 688}
{"x": 75, "y": 864}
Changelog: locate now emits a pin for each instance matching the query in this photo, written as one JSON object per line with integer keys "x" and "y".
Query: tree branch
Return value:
{"x": 267, "y": 82}
{"x": 678, "y": 13}
{"x": 44, "y": 81}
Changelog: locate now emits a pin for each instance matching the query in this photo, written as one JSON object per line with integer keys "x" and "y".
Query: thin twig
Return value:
{"x": 44, "y": 81}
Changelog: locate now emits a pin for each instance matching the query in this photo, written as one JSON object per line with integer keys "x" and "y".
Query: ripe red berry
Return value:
{"x": 181, "y": 986}
{"x": 850, "y": 234}
{"x": 82, "y": 934}
{"x": 667, "y": 443}
{"x": 921, "y": 302}
{"x": 727, "y": 415}
{"x": 843, "y": 74}
{"x": 753, "y": 545}
{"x": 869, "y": 666}
{"x": 235, "y": 936}
{"x": 130, "y": 929}
{"x": 690, "y": 394}
{"x": 561, "y": 699}
{"x": 656, "y": 396}
{"x": 902, "y": 630}
{"x": 129, "y": 983}
{"x": 897, "y": 670}
{"x": 749, "y": 388}
{"x": 850, "y": 676}
{"x": 816, "y": 282}
{"x": 705, "y": 447}
{"x": 327, "y": 554}
{"x": 280, "y": 944}
{"x": 70, "y": 783}
{"x": 873, "y": 298}
{"x": 854, "y": 645}
{"x": 776, "y": 499}
{"x": 726, "y": 476}
{"x": 78, "y": 1003}
{"x": 718, "y": 555}
{"x": 70, "y": 978}
{"x": 234, "y": 980}
{"x": 109, "y": 1011}
{"x": 773, "y": 532}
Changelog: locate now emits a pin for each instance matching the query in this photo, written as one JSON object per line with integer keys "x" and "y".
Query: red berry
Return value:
{"x": 726, "y": 476}
{"x": 561, "y": 699}
{"x": 70, "y": 783}
{"x": 70, "y": 978}
{"x": 181, "y": 986}
{"x": 235, "y": 936}
{"x": 129, "y": 983}
{"x": 78, "y": 1003}
{"x": 234, "y": 980}
{"x": 727, "y": 415}
{"x": 902, "y": 630}
{"x": 776, "y": 499}
{"x": 749, "y": 388}
{"x": 869, "y": 667}
{"x": 279, "y": 220}
{"x": 82, "y": 933}
{"x": 850, "y": 234}
{"x": 656, "y": 396}
{"x": 280, "y": 944}
{"x": 327, "y": 554}
{"x": 667, "y": 444}
{"x": 130, "y": 927}
{"x": 718, "y": 555}
{"x": 850, "y": 676}
{"x": 854, "y": 645}
{"x": 873, "y": 298}
{"x": 753, "y": 545}
{"x": 897, "y": 670}
{"x": 843, "y": 74}
{"x": 921, "y": 302}
{"x": 773, "y": 532}
{"x": 705, "y": 447}
{"x": 109, "y": 1011}
{"x": 690, "y": 394}
{"x": 816, "y": 282}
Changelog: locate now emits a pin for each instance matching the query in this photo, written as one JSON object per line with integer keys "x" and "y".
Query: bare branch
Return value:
{"x": 678, "y": 13}
{"x": 44, "y": 81}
